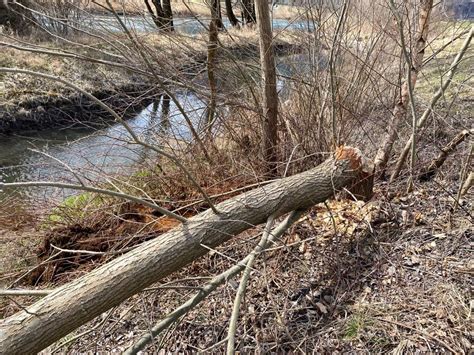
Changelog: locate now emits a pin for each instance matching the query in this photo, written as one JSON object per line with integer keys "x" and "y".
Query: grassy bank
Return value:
{"x": 184, "y": 8}
{"x": 125, "y": 78}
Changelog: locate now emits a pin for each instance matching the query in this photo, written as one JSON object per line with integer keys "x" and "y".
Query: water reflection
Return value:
{"x": 189, "y": 26}
{"x": 93, "y": 154}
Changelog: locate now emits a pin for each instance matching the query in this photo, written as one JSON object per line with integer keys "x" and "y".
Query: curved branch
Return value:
{"x": 243, "y": 286}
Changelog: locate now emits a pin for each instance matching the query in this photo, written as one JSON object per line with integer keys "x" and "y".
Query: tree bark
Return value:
{"x": 248, "y": 12}
{"x": 216, "y": 13}
{"x": 211, "y": 66}
{"x": 79, "y": 301}
{"x": 168, "y": 12}
{"x": 400, "y": 109}
{"x": 155, "y": 17}
{"x": 230, "y": 13}
{"x": 270, "y": 95}
{"x": 163, "y": 14}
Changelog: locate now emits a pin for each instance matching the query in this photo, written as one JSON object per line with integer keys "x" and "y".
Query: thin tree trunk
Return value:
{"x": 270, "y": 95}
{"x": 248, "y": 12}
{"x": 220, "y": 23}
{"x": 163, "y": 15}
{"x": 74, "y": 304}
{"x": 211, "y": 63}
{"x": 168, "y": 13}
{"x": 216, "y": 13}
{"x": 400, "y": 109}
{"x": 230, "y": 13}
{"x": 156, "y": 19}
{"x": 160, "y": 13}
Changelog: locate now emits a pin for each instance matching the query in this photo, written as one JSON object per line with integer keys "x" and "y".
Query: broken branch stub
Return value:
{"x": 436, "y": 163}
{"x": 72, "y": 305}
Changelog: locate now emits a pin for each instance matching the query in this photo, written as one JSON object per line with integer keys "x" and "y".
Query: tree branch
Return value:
{"x": 212, "y": 285}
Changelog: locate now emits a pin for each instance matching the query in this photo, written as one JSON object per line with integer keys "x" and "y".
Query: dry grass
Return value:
{"x": 436, "y": 70}
{"x": 87, "y": 75}
{"x": 184, "y": 8}
{"x": 166, "y": 50}
{"x": 393, "y": 275}
{"x": 137, "y": 7}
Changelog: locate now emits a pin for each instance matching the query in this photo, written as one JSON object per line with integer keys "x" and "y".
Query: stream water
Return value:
{"x": 50, "y": 154}
{"x": 189, "y": 26}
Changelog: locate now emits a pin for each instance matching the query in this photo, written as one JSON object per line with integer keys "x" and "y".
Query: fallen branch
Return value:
{"x": 436, "y": 163}
{"x": 242, "y": 288}
{"x": 80, "y": 301}
{"x": 465, "y": 177}
{"x": 212, "y": 285}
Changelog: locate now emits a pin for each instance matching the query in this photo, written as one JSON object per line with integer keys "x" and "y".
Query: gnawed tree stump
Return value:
{"x": 79, "y": 301}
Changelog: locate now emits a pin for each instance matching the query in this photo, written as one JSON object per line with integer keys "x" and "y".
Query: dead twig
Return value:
{"x": 420, "y": 332}
{"x": 436, "y": 163}
{"x": 243, "y": 286}
{"x": 209, "y": 287}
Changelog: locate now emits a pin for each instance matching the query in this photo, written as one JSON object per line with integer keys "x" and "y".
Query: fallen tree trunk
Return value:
{"x": 79, "y": 301}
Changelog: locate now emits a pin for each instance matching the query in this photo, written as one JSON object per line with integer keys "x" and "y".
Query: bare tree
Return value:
{"x": 162, "y": 15}
{"x": 248, "y": 12}
{"x": 230, "y": 13}
{"x": 269, "y": 83}
{"x": 211, "y": 67}
{"x": 400, "y": 109}
{"x": 216, "y": 13}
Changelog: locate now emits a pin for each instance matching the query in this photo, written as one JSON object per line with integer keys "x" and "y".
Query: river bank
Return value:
{"x": 184, "y": 9}
{"x": 44, "y": 112}
{"x": 22, "y": 109}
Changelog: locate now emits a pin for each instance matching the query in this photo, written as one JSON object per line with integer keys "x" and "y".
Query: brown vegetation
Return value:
{"x": 387, "y": 275}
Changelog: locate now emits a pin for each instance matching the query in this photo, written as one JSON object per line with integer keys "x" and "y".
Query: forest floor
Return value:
{"x": 390, "y": 275}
